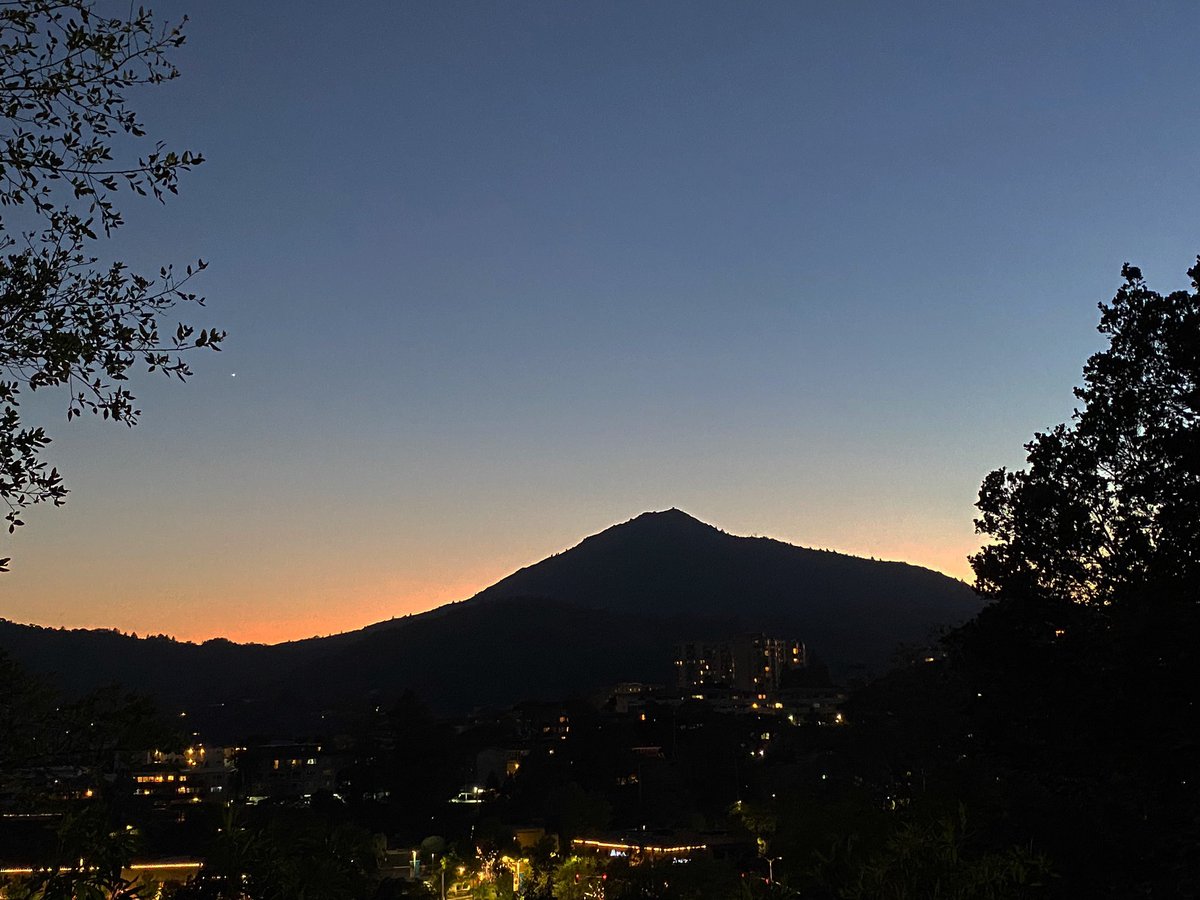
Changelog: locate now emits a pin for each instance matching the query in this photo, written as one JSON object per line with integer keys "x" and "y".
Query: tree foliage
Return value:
{"x": 1107, "y": 512}
{"x": 48, "y": 741}
{"x": 68, "y": 140}
{"x": 1083, "y": 671}
{"x": 927, "y": 859}
{"x": 285, "y": 854}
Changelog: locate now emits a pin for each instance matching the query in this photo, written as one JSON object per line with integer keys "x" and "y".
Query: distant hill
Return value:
{"x": 609, "y": 609}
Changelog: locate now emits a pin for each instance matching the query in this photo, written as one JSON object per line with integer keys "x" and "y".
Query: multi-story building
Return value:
{"x": 759, "y": 662}
{"x": 703, "y": 664}
{"x": 752, "y": 662}
{"x": 632, "y": 696}
{"x": 288, "y": 770}
{"x": 197, "y": 774}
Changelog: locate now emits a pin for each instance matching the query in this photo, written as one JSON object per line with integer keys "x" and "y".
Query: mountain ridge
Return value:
{"x": 608, "y": 608}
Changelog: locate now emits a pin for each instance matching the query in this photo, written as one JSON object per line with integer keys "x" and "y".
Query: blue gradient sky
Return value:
{"x": 500, "y": 275}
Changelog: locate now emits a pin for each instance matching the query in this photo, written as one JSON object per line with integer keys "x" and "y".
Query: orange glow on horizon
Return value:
{"x": 276, "y": 606}
{"x": 287, "y": 616}
{"x": 949, "y": 559}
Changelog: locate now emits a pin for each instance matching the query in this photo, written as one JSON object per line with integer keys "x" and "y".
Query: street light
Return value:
{"x": 771, "y": 860}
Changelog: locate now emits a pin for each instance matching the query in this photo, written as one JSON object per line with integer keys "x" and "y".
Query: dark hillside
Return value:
{"x": 609, "y": 609}
{"x": 850, "y": 610}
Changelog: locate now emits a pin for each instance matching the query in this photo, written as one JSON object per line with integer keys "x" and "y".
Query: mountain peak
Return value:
{"x": 673, "y": 513}
{"x": 673, "y": 517}
{"x": 656, "y": 528}
{"x": 667, "y": 563}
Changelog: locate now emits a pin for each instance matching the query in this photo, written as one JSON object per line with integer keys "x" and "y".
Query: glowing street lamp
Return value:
{"x": 771, "y": 860}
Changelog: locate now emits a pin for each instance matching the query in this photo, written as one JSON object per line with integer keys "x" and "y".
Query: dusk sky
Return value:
{"x": 500, "y": 275}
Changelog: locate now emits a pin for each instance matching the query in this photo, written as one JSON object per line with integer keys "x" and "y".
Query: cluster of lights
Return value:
{"x": 645, "y": 848}
{"x": 472, "y": 795}
{"x": 293, "y": 763}
{"x": 134, "y": 867}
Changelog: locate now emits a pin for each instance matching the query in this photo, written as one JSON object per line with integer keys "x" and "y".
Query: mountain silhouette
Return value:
{"x": 849, "y": 610}
{"x": 609, "y": 609}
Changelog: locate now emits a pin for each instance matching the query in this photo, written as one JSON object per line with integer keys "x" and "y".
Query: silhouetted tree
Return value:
{"x": 284, "y": 854}
{"x": 43, "y": 736}
{"x": 1081, "y": 677}
{"x": 67, "y": 318}
{"x": 926, "y": 859}
{"x": 1107, "y": 513}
